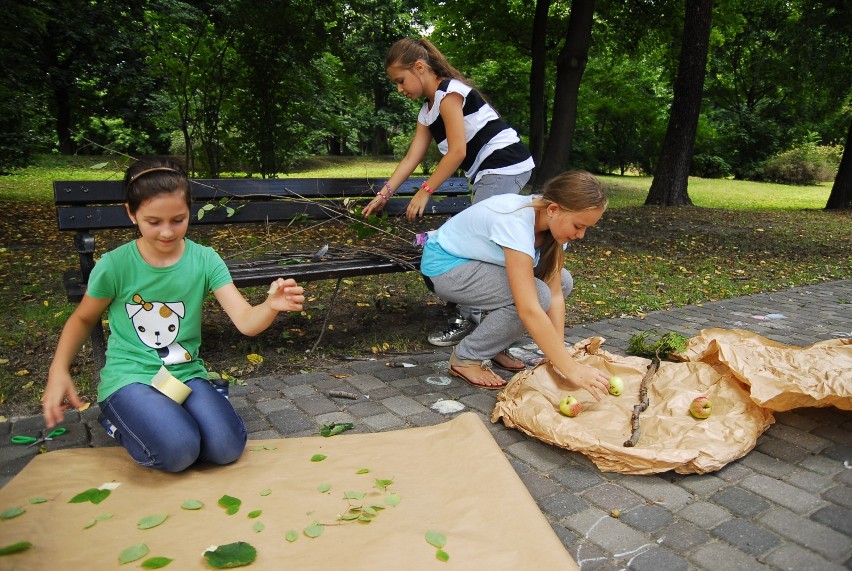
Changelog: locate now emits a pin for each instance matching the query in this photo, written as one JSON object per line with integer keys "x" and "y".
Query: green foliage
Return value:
{"x": 709, "y": 166}
{"x": 399, "y": 143}
{"x": 666, "y": 344}
{"x": 231, "y": 555}
{"x": 807, "y": 163}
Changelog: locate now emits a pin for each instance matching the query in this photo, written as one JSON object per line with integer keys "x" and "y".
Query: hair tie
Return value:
{"x": 152, "y": 169}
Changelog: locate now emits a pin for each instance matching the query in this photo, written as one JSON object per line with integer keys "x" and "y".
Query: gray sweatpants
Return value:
{"x": 486, "y": 286}
{"x": 487, "y": 186}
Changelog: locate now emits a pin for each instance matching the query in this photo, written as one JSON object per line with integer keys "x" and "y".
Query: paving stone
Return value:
{"x": 267, "y": 406}
{"x": 798, "y": 437}
{"x": 835, "y": 434}
{"x": 337, "y": 417}
{"x": 781, "y": 493}
{"x": 827, "y": 542}
{"x": 609, "y": 497}
{"x": 365, "y": 409}
{"x": 562, "y": 505}
{"x": 606, "y": 531}
{"x": 365, "y": 383}
{"x": 719, "y": 556}
{"x": 840, "y": 495}
{"x": 482, "y": 401}
{"x": 781, "y": 450}
{"x": 733, "y": 472}
{"x": 647, "y": 518}
{"x": 704, "y": 514}
{"x": 809, "y": 481}
{"x": 404, "y": 406}
{"x": 590, "y": 557}
{"x": 795, "y": 558}
{"x": 657, "y": 558}
{"x": 386, "y": 421}
{"x": 299, "y": 391}
{"x": 656, "y": 489}
{"x": 427, "y": 418}
{"x": 682, "y": 536}
{"x": 539, "y": 486}
{"x": 289, "y": 422}
{"x": 702, "y": 485}
{"x": 537, "y": 454}
{"x": 835, "y": 517}
{"x": 792, "y": 419}
{"x": 839, "y": 452}
{"x": 822, "y": 465}
{"x": 740, "y": 502}
{"x": 746, "y": 536}
{"x": 576, "y": 478}
{"x": 764, "y": 464}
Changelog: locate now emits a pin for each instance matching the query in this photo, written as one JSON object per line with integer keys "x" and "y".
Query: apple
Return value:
{"x": 570, "y": 406}
{"x": 701, "y": 407}
{"x": 616, "y": 385}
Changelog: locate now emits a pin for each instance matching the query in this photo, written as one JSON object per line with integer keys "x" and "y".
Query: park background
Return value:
{"x": 741, "y": 109}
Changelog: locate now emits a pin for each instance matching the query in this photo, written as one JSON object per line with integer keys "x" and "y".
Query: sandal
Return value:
{"x": 456, "y": 362}
{"x": 517, "y": 364}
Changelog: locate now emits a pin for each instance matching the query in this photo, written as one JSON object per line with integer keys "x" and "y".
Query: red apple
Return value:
{"x": 701, "y": 408}
{"x": 570, "y": 406}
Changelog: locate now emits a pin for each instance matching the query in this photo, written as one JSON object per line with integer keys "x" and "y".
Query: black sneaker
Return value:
{"x": 458, "y": 329}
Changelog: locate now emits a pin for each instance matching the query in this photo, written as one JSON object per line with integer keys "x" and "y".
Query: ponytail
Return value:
{"x": 407, "y": 51}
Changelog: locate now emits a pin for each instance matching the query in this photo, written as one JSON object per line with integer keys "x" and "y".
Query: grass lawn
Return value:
{"x": 741, "y": 238}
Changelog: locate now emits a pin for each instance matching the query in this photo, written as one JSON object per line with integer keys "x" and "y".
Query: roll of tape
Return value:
{"x": 167, "y": 384}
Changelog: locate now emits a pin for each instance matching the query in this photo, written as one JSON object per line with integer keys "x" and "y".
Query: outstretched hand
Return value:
{"x": 417, "y": 205}
{"x": 376, "y": 205}
{"x": 59, "y": 395}
{"x": 586, "y": 378}
{"x": 286, "y": 295}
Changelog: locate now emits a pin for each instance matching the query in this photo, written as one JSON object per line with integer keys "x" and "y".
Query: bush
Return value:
{"x": 806, "y": 163}
{"x": 399, "y": 144}
{"x": 710, "y": 166}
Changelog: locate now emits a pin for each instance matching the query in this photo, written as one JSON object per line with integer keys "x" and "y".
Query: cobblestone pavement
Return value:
{"x": 785, "y": 505}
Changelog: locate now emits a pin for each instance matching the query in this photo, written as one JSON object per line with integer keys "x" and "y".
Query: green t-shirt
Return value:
{"x": 155, "y": 313}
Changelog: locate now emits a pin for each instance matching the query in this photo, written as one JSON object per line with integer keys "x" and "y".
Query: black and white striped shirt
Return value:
{"x": 493, "y": 147}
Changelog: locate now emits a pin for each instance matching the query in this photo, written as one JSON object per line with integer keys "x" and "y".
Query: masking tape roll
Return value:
{"x": 171, "y": 387}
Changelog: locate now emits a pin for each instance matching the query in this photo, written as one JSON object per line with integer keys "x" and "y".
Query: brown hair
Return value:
{"x": 149, "y": 178}
{"x": 407, "y": 51}
{"x": 574, "y": 191}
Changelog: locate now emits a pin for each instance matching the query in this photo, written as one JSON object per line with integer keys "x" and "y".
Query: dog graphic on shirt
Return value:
{"x": 157, "y": 324}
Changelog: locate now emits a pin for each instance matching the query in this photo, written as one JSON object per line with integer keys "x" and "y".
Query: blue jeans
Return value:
{"x": 161, "y": 434}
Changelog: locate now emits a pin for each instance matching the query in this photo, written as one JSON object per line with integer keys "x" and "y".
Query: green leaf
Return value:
{"x": 133, "y": 553}
{"x": 93, "y": 495}
{"x": 392, "y": 499}
{"x": 436, "y": 538}
{"x": 232, "y": 555}
{"x": 314, "y": 530}
{"x": 230, "y": 503}
{"x": 37, "y": 500}
{"x": 335, "y": 428}
{"x": 363, "y": 471}
{"x": 255, "y": 513}
{"x": 98, "y": 166}
{"x": 349, "y": 516}
{"x": 103, "y": 517}
{"x": 291, "y": 535}
{"x": 156, "y": 562}
{"x": 353, "y": 495}
{"x": 364, "y": 518}
{"x": 266, "y": 492}
{"x": 258, "y": 526}
{"x": 323, "y": 488}
{"x": 383, "y": 484}
{"x": 369, "y": 511}
{"x": 318, "y": 457}
{"x": 150, "y": 521}
{"x": 15, "y": 548}
{"x": 442, "y": 555}
{"x": 91, "y": 523}
{"x": 269, "y": 447}
{"x": 192, "y": 505}
{"x": 11, "y": 513}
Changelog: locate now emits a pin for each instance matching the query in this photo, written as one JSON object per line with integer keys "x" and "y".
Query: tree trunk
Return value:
{"x": 669, "y": 187}
{"x": 841, "y": 193}
{"x": 570, "y": 66}
{"x": 538, "y": 99}
{"x": 62, "y": 98}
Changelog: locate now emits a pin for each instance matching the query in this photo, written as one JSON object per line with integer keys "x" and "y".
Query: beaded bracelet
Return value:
{"x": 427, "y": 188}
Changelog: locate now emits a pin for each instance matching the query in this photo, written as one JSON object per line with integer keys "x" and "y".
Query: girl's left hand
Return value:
{"x": 286, "y": 295}
{"x": 376, "y": 205}
{"x": 417, "y": 205}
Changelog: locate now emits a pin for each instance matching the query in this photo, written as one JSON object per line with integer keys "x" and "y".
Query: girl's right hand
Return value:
{"x": 60, "y": 394}
{"x": 417, "y": 205}
{"x": 376, "y": 205}
{"x": 586, "y": 378}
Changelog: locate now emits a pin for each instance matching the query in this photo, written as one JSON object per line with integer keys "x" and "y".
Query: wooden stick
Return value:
{"x": 643, "y": 404}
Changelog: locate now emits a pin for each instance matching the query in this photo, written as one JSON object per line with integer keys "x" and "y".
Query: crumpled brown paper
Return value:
{"x": 781, "y": 377}
{"x": 451, "y": 477}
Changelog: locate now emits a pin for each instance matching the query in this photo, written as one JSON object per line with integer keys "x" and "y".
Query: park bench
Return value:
{"x": 85, "y": 207}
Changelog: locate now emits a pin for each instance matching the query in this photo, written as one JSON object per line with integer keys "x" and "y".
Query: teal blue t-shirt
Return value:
{"x": 155, "y": 313}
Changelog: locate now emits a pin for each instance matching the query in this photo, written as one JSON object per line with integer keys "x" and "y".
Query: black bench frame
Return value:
{"x": 84, "y": 207}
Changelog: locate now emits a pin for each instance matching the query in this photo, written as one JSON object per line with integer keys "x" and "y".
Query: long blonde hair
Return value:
{"x": 574, "y": 191}
{"x": 407, "y": 51}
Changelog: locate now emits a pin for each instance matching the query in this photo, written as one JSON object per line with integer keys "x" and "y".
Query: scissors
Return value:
{"x": 32, "y": 441}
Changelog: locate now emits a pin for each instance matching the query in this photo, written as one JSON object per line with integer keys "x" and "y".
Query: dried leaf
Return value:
{"x": 133, "y": 553}
{"x": 192, "y": 505}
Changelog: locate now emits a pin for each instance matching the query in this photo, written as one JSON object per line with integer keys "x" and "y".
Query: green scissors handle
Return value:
{"x": 32, "y": 441}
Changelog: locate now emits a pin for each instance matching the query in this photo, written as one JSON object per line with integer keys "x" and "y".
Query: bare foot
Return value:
{"x": 506, "y": 361}
{"x": 478, "y": 376}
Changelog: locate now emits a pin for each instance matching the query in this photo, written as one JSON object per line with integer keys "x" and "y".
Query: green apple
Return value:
{"x": 616, "y": 385}
{"x": 701, "y": 408}
{"x": 570, "y": 406}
